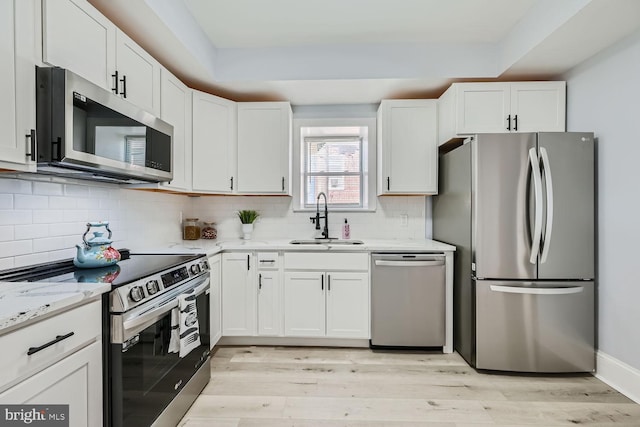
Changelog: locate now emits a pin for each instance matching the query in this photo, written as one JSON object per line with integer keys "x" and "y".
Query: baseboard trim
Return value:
{"x": 284, "y": 341}
{"x": 619, "y": 375}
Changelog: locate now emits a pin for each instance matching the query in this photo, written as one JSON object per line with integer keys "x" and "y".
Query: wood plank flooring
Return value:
{"x": 328, "y": 387}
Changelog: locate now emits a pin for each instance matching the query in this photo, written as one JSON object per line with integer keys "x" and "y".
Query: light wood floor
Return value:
{"x": 295, "y": 386}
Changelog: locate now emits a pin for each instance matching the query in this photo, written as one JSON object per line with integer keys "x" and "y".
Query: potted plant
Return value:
{"x": 247, "y": 218}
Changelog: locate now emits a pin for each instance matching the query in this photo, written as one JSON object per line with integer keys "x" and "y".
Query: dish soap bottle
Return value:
{"x": 346, "y": 232}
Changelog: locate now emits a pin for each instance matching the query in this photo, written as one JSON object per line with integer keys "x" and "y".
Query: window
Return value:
{"x": 334, "y": 159}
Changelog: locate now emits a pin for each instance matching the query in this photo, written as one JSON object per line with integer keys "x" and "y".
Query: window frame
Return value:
{"x": 368, "y": 167}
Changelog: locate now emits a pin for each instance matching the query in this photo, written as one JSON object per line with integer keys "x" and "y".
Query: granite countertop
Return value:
{"x": 212, "y": 247}
{"x": 22, "y": 302}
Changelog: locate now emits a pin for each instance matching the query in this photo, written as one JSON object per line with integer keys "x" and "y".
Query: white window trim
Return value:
{"x": 370, "y": 174}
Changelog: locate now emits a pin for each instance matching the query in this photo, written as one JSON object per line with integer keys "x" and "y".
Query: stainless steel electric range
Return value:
{"x": 146, "y": 382}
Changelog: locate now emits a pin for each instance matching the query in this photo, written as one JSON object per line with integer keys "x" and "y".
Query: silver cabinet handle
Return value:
{"x": 549, "y": 187}
{"x": 537, "y": 291}
{"x": 537, "y": 186}
{"x": 409, "y": 263}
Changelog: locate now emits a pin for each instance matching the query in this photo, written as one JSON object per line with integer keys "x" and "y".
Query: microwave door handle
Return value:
{"x": 549, "y": 188}
{"x": 537, "y": 227}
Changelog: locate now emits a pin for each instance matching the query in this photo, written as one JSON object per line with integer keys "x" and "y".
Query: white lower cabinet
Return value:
{"x": 348, "y": 305}
{"x": 239, "y": 307}
{"x": 269, "y": 303}
{"x": 215, "y": 299}
{"x": 304, "y": 304}
{"x": 75, "y": 381}
{"x": 332, "y": 303}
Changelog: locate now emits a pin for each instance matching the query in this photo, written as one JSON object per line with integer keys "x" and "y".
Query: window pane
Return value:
{"x": 333, "y": 156}
{"x": 341, "y": 190}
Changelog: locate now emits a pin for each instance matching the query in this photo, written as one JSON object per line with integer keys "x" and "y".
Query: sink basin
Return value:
{"x": 326, "y": 242}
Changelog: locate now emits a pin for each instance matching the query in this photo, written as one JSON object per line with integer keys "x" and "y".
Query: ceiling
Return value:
{"x": 362, "y": 51}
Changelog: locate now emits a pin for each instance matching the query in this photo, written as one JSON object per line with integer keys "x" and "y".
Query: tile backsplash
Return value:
{"x": 396, "y": 217}
{"x": 42, "y": 221}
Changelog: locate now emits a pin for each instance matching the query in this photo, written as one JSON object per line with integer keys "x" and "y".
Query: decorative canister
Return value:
{"x": 209, "y": 230}
{"x": 190, "y": 229}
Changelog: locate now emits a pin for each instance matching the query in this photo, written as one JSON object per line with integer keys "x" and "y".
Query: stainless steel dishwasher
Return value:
{"x": 407, "y": 300}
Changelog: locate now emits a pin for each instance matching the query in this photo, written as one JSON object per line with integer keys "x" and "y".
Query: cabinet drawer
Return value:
{"x": 268, "y": 260}
{"x": 84, "y": 322}
{"x": 326, "y": 261}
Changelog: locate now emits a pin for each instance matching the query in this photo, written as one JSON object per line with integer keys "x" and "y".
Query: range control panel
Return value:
{"x": 139, "y": 292}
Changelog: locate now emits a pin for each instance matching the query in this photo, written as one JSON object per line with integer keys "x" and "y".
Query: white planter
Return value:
{"x": 247, "y": 229}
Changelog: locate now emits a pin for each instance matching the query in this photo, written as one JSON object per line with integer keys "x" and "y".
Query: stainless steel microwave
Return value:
{"x": 84, "y": 131}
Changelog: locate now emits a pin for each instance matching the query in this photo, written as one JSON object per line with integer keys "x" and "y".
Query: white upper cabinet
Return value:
{"x": 74, "y": 31}
{"x": 214, "y": 144}
{"x": 175, "y": 109}
{"x": 468, "y": 108}
{"x": 138, "y": 74}
{"x": 407, "y": 147}
{"x": 18, "y": 49}
{"x": 78, "y": 37}
{"x": 264, "y": 148}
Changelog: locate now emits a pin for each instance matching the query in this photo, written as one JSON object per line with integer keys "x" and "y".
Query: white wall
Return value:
{"x": 42, "y": 221}
{"x": 603, "y": 96}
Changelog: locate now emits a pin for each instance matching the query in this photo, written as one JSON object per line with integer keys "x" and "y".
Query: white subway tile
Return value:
{"x": 99, "y": 192}
{"x": 31, "y": 231}
{"x": 50, "y": 244}
{"x": 28, "y": 201}
{"x": 6, "y": 201}
{"x": 6, "y": 233}
{"x": 6, "y": 263}
{"x": 67, "y": 229}
{"x": 62, "y": 254}
{"x": 18, "y": 247}
{"x": 62, "y": 202}
{"x": 15, "y": 217}
{"x": 75, "y": 215}
{"x": 15, "y": 186}
{"x": 76, "y": 190}
{"x": 31, "y": 259}
{"x": 47, "y": 188}
{"x": 49, "y": 216}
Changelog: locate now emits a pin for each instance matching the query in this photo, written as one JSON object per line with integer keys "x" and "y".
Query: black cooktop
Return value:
{"x": 129, "y": 269}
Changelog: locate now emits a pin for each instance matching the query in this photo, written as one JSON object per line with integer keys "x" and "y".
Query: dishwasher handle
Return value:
{"x": 383, "y": 263}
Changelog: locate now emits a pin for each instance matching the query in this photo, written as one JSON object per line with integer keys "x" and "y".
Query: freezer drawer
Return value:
{"x": 535, "y": 326}
{"x": 408, "y": 300}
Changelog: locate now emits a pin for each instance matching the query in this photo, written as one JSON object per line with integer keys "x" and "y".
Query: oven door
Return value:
{"x": 144, "y": 376}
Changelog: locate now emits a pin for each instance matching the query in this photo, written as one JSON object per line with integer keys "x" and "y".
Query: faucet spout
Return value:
{"x": 325, "y": 230}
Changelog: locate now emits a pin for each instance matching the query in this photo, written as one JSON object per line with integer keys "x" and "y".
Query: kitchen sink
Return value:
{"x": 326, "y": 242}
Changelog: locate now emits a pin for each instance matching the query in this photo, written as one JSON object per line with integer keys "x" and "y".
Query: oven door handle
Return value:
{"x": 157, "y": 312}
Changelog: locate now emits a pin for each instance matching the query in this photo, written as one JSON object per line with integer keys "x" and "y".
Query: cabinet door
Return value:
{"x": 483, "y": 108}
{"x": 138, "y": 75}
{"x": 347, "y": 305}
{"x": 215, "y": 301}
{"x": 304, "y": 304}
{"x": 538, "y": 106}
{"x": 176, "y": 110}
{"x": 214, "y": 143}
{"x": 238, "y": 295}
{"x": 75, "y": 381}
{"x": 269, "y": 306}
{"x": 78, "y": 37}
{"x": 264, "y": 146}
{"x": 409, "y": 150}
{"x": 18, "y": 47}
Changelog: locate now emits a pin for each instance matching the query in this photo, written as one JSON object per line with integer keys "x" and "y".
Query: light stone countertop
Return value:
{"x": 22, "y": 302}
{"x": 212, "y": 247}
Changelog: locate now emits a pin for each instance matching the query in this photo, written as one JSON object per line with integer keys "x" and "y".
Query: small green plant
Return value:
{"x": 248, "y": 216}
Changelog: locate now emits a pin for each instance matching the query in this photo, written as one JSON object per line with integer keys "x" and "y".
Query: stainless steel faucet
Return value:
{"x": 316, "y": 219}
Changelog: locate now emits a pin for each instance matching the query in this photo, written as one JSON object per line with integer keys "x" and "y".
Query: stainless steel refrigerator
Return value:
{"x": 520, "y": 210}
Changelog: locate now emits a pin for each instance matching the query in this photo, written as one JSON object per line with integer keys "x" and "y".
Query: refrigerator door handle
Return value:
{"x": 537, "y": 227}
{"x": 549, "y": 189}
{"x": 537, "y": 291}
